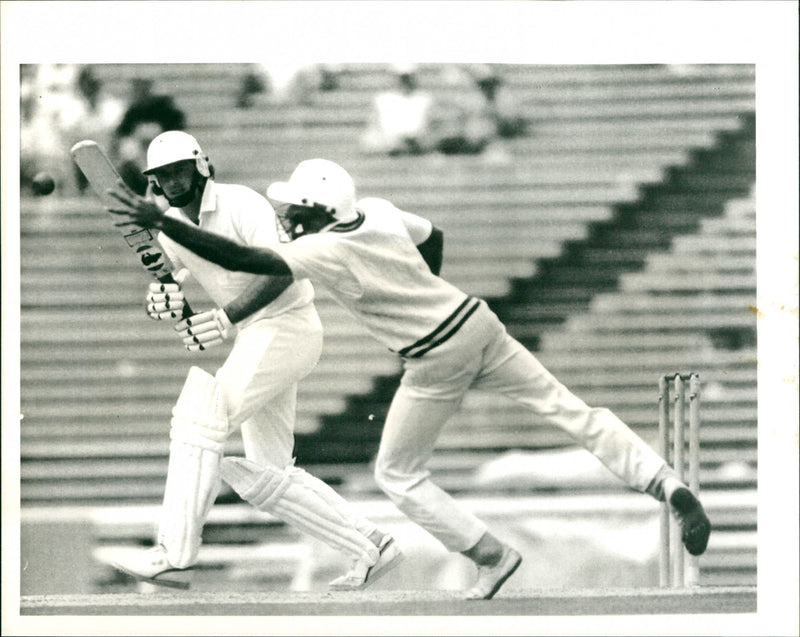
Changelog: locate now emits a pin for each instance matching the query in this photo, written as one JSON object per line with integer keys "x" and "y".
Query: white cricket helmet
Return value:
{"x": 318, "y": 183}
{"x": 173, "y": 146}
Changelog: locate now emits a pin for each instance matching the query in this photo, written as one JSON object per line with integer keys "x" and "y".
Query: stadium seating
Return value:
{"x": 637, "y": 174}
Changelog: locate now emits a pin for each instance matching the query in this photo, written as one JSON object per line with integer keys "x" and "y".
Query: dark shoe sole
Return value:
{"x": 695, "y": 525}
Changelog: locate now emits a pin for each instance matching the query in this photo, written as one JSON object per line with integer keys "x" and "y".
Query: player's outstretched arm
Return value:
{"x": 260, "y": 293}
{"x": 222, "y": 251}
{"x": 215, "y": 248}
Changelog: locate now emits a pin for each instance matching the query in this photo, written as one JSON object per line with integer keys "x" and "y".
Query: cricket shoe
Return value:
{"x": 152, "y": 566}
{"x": 695, "y": 525}
{"x": 362, "y": 574}
{"x": 491, "y": 578}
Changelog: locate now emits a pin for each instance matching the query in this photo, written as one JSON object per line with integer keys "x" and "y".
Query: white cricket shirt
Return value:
{"x": 373, "y": 269}
{"x": 241, "y": 214}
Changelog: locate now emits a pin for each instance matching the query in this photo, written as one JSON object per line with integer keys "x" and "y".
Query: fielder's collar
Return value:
{"x": 350, "y": 224}
{"x": 209, "y": 201}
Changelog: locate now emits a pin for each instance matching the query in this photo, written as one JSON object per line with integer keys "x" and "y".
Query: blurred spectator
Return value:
{"x": 312, "y": 79}
{"x": 282, "y": 82}
{"x": 479, "y": 114}
{"x": 46, "y": 94}
{"x": 401, "y": 117}
{"x": 148, "y": 115}
{"x": 255, "y": 81}
{"x": 499, "y": 105}
{"x": 90, "y": 115}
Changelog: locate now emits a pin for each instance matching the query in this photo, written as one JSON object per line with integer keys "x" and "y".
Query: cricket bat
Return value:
{"x": 101, "y": 175}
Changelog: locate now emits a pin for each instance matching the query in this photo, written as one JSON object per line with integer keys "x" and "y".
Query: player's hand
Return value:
{"x": 137, "y": 209}
{"x": 164, "y": 301}
{"x": 205, "y": 329}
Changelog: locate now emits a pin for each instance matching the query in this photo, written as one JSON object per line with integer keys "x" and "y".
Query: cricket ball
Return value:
{"x": 42, "y": 184}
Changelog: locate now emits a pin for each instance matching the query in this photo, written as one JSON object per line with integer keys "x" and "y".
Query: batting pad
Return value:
{"x": 290, "y": 495}
{"x": 198, "y": 433}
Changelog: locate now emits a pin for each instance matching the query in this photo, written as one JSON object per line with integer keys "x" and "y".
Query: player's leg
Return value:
{"x": 412, "y": 427}
{"x": 520, "y": 376}
{"x": 431, "y": 390}
{"x": 523, "y": 378}
{"x": 261, "y": 379}
{"x": 410, "y": 433}
{"x": 270, "y": 357}
{"x": 269, "y": 441}
{"x": 198, "y": 433}
{"x": 293, "y": 496}
{"x": 193, "y": 479}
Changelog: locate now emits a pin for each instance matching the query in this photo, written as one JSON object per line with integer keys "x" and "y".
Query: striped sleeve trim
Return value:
{"x": 446, "y": 329}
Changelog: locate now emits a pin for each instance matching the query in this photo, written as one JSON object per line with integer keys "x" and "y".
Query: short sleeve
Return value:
{"x": 418, "y": 228}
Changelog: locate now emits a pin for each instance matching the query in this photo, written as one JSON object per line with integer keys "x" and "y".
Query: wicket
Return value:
{"x": 677, "y": 568}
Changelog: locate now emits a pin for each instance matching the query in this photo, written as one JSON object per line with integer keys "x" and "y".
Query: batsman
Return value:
{"x": 277, "y": 340}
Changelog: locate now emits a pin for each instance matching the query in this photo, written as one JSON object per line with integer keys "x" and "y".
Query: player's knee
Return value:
{"x": 383, "y": 474}
{"x": 393, "y": 479}
{"x": 261, "y": 486}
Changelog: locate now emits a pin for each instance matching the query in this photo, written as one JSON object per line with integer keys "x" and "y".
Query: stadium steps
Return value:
{"x": 95, "y": 470}
{"x": 317, "y": 122}
{"x": 357, "y": 100}
{"x": 359, "y": 82}
{"x": 602, "y": 141}
{"x": 638, "y": 226}
{"x": 258, "y": 174}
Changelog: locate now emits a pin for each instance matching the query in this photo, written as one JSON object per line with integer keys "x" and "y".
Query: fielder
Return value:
{"x": 382, "y": 264}
{"x": 278, "y": 341}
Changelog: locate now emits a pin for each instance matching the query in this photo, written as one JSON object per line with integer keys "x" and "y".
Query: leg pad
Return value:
{"x": 198, "y": 434}
{"x": 291, "y": 495}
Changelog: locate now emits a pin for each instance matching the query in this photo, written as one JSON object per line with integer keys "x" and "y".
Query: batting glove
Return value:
{"x": 164, "y": 301}
{"x": 204, "y": 330}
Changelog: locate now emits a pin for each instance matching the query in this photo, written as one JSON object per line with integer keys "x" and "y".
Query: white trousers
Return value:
{"x": 482, "y": 355}
{"x": 259, "y": 383}
{"x": 260, "y": 378}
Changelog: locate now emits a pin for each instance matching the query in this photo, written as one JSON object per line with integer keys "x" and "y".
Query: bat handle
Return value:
{"x": 168, "y": 278}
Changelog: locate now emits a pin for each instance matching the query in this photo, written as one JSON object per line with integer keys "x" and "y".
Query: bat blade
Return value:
{"x": 101, "y": 175}
{"x": 97, "y": 168}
